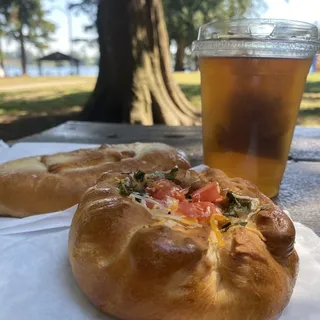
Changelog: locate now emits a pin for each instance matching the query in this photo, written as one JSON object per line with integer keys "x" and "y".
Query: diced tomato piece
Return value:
{"x": 198, "y": 210}
{"x": 162, "y": 188}
{"x": 210, "y": 192}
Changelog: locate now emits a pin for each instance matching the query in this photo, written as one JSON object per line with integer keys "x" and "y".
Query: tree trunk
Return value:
{"x": 179, "y": 63}
{"x": 23, "y": 52}
{"x": 2, "y": 71}
{"x": 135, "y": 83}
{"x": 196, "y": 63}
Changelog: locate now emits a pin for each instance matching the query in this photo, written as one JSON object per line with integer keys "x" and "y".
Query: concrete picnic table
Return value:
{"x": 300, "y": 188}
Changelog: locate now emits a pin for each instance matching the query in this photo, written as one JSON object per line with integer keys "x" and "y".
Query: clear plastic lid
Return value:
{"x": 258, "y": 38}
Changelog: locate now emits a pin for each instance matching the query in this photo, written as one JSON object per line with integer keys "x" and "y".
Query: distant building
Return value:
{"x": 58, "y": 58}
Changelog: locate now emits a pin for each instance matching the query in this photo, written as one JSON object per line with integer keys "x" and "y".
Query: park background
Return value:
{"x": 30, "y": 103}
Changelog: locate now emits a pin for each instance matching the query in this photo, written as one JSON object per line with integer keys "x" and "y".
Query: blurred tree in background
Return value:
{"x": 88, "y": 7}
{"x": 184, "y": 17}
{"x": 135, "y": 82}
{"x": 2, "y": 34}
{"x": 25, "y": 22}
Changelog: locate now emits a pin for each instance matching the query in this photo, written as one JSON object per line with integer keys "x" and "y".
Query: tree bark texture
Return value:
{"x": 179, "y": 63}
{"x": 1, "y": 57}
{"x": 23, "y": 52}
{"x": 135, "y": 83}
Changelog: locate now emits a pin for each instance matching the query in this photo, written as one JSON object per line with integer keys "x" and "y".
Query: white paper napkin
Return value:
{"x": 29, "y": 149}
{"x": 61, "y": 219}
{"x": 3, "y": 146}
{"x": 36, "y": 282}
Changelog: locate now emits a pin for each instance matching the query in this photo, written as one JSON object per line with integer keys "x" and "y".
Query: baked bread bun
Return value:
{"x": 182, "y": 245}
{"x": 55, "y": 182}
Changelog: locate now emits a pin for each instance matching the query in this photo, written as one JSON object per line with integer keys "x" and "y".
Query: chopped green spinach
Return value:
{"x": 123, "y": 189}
{"x": 139, "y": 176}
{"x": 240, "y": 205}
{"x": 172, "y": 174}
{"x": 241, "y": 223}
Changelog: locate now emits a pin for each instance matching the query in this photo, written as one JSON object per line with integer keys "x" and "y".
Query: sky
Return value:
{"x": 305, "y": 10}
{"x": 58, "y": 16}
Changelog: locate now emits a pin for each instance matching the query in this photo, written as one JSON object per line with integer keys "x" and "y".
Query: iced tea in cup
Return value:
{"x": 253, "y": 74}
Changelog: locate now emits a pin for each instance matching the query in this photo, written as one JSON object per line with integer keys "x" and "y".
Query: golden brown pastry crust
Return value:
{"x": 51, "y": 183}
{"x": 137, "y": 268}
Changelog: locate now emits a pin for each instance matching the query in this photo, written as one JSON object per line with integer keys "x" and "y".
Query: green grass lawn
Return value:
{"x": 54, "y": 96}
{"x": 21, "y": 97}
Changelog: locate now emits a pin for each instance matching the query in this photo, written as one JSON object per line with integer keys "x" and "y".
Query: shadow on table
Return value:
{"x": 33, "y": 105}
{"x": 30, "y": 125}
{"x": 25, "y": 113}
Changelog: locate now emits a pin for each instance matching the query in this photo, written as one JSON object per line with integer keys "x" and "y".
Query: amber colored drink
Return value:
{"x": 250, "y": 107}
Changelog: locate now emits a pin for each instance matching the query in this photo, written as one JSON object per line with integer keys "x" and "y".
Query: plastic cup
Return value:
{"x": 253, "y": 74}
